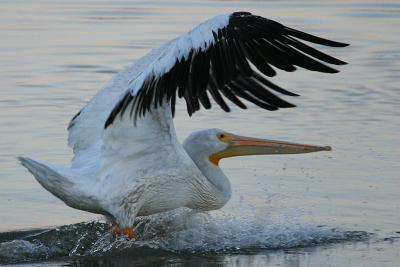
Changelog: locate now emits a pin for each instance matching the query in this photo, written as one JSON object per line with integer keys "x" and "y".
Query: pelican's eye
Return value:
{"x": 223, "y": 137}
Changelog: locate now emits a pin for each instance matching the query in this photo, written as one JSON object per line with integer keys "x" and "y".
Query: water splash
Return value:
{"x": 180, "y": 231}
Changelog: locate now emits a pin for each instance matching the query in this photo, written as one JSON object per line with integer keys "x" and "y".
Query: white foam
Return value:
{"x": 180, "y": 231}
{"x": 185, "y": 231}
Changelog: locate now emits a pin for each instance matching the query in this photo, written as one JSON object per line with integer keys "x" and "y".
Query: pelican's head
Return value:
{"x": 216, "y": 144}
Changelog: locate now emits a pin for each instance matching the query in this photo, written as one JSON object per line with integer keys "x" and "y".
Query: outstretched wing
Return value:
{"x": 87, "y": 126}
{"x": 227, "y": 57}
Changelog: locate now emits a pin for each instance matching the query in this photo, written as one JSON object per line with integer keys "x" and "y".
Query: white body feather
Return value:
{"x": 128, "y": 170}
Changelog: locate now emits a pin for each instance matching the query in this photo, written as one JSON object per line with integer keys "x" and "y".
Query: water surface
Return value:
{"x": 340, "y": 208}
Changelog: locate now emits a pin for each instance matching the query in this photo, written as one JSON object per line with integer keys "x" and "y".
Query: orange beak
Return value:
{"x": 244, "y": 146}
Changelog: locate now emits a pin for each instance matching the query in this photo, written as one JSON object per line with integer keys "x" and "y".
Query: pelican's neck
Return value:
{"x": 212, "y": 172}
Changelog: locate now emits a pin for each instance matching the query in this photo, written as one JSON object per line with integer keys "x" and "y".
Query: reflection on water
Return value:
{"x": 56, "y": 55}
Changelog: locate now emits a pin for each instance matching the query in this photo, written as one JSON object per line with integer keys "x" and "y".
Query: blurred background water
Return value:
{"x": 285, "y": 210}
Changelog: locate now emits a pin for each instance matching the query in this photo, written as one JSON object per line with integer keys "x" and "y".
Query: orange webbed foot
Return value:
{"x": 127, "y": 231}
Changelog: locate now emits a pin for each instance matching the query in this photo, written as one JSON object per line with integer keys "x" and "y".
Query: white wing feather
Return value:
{"x": 86, "y": 129}
{"x": 87, "y": 134}
{"x": 200, "y": 37}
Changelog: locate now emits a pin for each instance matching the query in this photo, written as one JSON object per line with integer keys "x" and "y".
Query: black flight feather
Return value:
{"x": 233, "y": 66}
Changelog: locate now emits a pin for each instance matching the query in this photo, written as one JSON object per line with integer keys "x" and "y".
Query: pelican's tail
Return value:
{"x": 62, "y": 183}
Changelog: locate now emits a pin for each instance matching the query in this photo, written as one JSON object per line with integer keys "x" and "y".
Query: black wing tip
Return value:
{"x": 292, "y": 94}
{"x": 240, "y": 14}
{"x": 109, "y": 121}
{"x": 118, "y": 109}
{"x": 334, "y": 43}
{"x": 107, "y": 124}
{"x": 330, "y": 71}
{"x": 236, "y": 30}
{"x": 327, "y": 42}
{"x": 313, "y": 38}
{"x": 72, "y": 121}
{"x": 289, "y": 105}
{"x": 339, "y": 44}
{"x": 340, "y": 63}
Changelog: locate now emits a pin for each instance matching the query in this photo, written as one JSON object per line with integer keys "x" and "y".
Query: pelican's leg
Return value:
{"x": 127, "y": 231}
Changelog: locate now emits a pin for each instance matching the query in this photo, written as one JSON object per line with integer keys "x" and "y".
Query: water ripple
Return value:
{"x": 181, "y": 231}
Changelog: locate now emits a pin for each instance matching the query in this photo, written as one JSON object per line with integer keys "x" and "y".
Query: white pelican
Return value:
{"x": 127, "y": 160}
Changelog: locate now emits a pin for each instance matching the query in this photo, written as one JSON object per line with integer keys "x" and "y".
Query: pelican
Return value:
{"x": 127, "y": 159}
